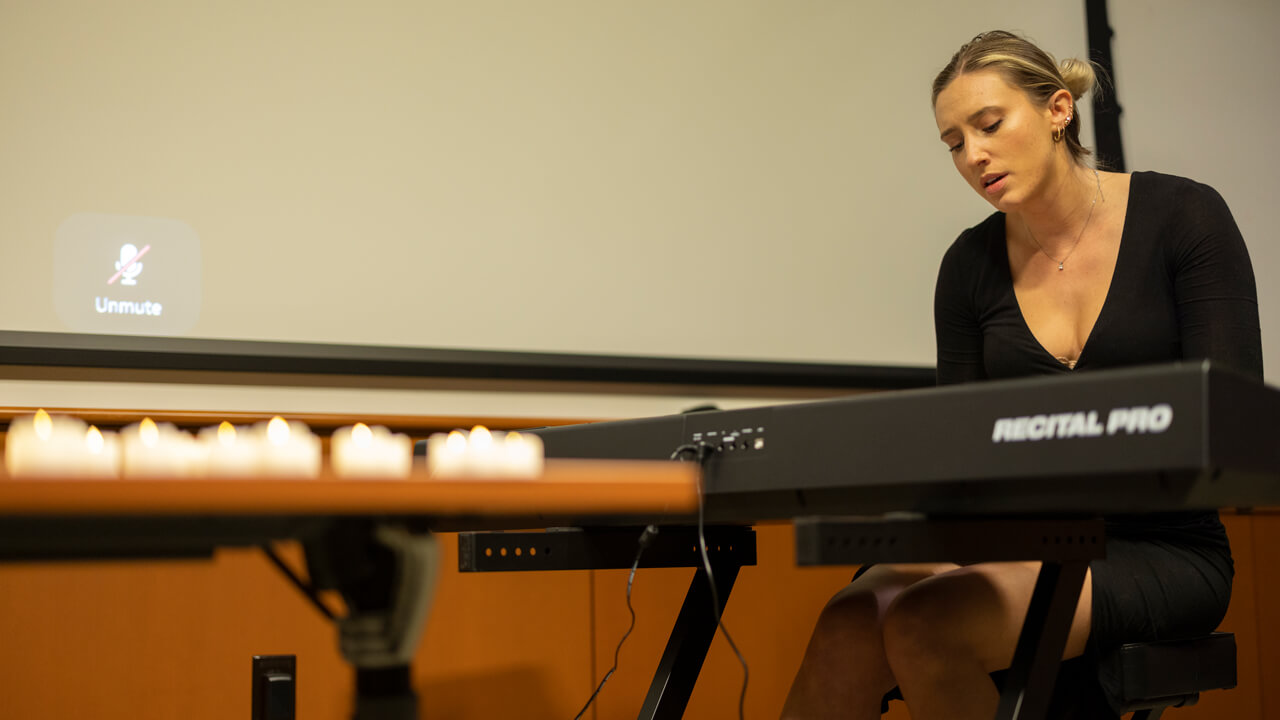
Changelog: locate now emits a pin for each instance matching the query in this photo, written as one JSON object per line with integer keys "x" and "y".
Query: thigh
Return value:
{"x": 863, "y": 602}
{"x": 982, "y": 607}
{"x": 1157, "y": 590}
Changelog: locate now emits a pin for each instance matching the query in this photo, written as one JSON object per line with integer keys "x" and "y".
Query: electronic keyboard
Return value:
{"x": 1172, "y": 437}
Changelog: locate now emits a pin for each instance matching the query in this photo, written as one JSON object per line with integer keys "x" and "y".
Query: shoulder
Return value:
{"x": 1188, "y": 222}
{"x": 971, "y": 262}
{"x": 1174, "y": 194}
{"x": 975, "y": 245}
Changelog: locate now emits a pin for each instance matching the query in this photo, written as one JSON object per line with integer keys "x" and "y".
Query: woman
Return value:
{"x": 1077, "y": 270}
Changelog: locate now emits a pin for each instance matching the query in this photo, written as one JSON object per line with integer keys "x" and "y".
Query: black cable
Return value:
{"x": 701, "y": 452}
{"x": 645, "y": 538}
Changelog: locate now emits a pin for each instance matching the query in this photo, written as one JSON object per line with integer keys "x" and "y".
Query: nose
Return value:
{"x": 975, "y": 153}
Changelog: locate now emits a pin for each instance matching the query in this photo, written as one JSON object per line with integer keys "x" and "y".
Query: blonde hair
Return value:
{"x": 1025, "y": 66}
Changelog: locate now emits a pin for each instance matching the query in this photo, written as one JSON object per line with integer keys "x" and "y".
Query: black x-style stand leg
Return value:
{"x": 1029, "y": 682}
{"x": 687, "y": 647}
{"x": 728, "y": 548}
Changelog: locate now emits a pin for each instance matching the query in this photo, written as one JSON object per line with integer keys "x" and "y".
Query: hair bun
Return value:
{"x": 1079, "y": 76}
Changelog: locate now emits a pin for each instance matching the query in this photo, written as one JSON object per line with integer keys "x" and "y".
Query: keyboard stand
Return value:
{"x": 728, "y": 547}
{"x": 1064, "y": 546}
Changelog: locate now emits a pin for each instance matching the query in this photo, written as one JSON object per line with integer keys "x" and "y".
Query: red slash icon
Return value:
{"x": 129, "y": 264}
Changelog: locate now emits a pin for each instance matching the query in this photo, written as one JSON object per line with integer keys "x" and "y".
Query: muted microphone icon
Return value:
{"x": 128, "y": 267}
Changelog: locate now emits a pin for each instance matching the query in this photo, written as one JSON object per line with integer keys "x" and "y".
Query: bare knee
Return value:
{"x": 943, "y": 620}
{"x": 909, "y": 629}
{"x": 843, "y": 672}
{"x": 850, "y": 626}
{"x": 849, "y": 623}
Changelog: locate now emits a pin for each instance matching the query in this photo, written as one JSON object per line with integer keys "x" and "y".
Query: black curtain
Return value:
{"x": 1106, "y": 104}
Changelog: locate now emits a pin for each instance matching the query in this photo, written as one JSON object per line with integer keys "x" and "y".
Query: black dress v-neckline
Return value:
{"x": 1106, "y": 299}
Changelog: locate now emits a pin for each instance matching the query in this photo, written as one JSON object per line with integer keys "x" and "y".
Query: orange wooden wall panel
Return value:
{"x": 1267, "y": 578}
{"x": 156, "y": 640}
{"x": 136, "y": 641}
{"x": 173, "y": 639}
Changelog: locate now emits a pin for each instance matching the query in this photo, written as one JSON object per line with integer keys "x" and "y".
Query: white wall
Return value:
{"x": 717, "y": 178}
{"x": 1198, "y": 84}
{"x": 237, "y": 393}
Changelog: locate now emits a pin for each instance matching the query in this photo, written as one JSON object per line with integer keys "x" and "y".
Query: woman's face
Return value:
{"x": 1000, "y": 142}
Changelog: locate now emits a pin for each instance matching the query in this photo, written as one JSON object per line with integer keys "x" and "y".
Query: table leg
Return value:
{"x": 386, "y": 574}
{"x": 385, "y": 694}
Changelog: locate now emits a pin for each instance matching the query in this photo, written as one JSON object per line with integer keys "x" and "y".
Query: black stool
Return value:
{"x": 1158, "y": 675}
{"x": 1149, "y": 677}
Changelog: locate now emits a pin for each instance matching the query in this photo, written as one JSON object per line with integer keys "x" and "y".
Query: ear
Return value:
{"x": 1061, "y": 108}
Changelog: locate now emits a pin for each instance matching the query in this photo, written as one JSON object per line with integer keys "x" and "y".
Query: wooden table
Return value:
{"x": 573, "y": 487}
{"x": 370, "y": 540}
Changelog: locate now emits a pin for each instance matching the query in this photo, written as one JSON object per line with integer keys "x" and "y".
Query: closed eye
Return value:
{"x": 988, "y": 130}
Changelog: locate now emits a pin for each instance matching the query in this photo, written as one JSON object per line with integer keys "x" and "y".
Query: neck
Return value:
{"x": 1056, "y": 216}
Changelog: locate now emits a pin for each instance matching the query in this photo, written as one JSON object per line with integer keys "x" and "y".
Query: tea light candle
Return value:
{"x": 363, "y": 451}
{"x": 47, "y": 445}
{"x": 290, "y": 449}
{"x": 483, "y": 456}
{"x": 159, "y": 450}
{"x": 523, "y": 455}
{"x": 101, "y": 454}
{"x": 447, "y": 454}
{"x": 230, "y": 452}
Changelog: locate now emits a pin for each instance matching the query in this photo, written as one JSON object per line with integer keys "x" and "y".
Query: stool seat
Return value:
{"x": 1171, "y": 673}
{"x": 1145, "y": 678}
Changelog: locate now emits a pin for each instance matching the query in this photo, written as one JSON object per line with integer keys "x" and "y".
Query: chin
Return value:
{"x": 1005, "y": 203}
{"x": 999, "y": 203}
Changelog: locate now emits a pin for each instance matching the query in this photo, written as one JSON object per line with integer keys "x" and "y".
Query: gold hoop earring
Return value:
{"x": 1062, "y": 131}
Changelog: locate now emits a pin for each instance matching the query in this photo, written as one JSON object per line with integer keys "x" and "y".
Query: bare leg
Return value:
{"x": 942, "y": 636}
{"x": 844, "y": 672}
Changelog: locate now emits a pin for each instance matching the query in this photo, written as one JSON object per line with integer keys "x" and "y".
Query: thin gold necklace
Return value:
{"x": 1093, "y": 203}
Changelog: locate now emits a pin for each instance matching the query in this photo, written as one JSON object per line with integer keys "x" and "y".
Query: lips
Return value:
{"x": 993, "y": 181}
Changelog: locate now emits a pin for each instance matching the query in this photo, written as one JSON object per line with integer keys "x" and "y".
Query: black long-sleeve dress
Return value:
{"x": 1183, "y": 288}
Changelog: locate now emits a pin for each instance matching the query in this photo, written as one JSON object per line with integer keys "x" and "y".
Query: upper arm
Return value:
{"x": 1214, "y": 287}
{"x": 955, "y": 321}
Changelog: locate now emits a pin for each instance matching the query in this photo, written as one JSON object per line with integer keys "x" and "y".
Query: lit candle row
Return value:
{"x": 45, "y": 445}
{"x": 480, "y": 453}
{"x": 61, "y": 446}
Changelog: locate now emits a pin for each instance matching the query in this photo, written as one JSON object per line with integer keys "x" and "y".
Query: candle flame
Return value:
{"x": 93, "y": 440}
{"x": 361, "y": 435}
{"x": 513, "y": 437}
{"x": 148, "y": 432}
{"x": 456, "y": 443}
{"x": 278, "y": 431}
{"x": 43, "y": 424}
{"x": 226, "y": 434}
{"x": 481, "y": 437}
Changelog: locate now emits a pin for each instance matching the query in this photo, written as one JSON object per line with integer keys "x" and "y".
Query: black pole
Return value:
{"x": 1106, "y": 104}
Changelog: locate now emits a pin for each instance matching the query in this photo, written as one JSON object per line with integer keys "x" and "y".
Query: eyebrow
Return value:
{"x": 971, "y": 118}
